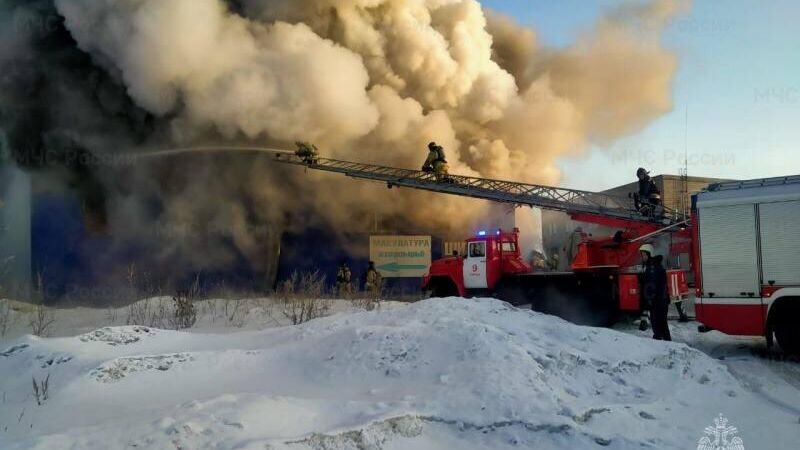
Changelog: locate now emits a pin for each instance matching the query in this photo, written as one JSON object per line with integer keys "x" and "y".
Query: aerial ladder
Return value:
{"x": 607, "y": 209}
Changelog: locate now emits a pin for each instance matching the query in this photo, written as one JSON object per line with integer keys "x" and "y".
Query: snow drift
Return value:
{"x": 448, "y": 373}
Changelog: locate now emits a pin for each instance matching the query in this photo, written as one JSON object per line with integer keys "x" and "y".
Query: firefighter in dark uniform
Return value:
{"x": 436, "y": 162}
{"x": 343, "y": 280}
{"x": 308, "y": 152}
{"x": 649, "y": 196}
{"x": 373, "y": 280}
{"x": 654, "y": 291}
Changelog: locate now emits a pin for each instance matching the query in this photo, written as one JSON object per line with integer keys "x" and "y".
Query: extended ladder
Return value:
{"x": 546, "y": 197}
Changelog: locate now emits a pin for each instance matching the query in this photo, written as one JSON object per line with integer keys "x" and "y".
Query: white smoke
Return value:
{"x": 217, "y": 69}
{"x": 375, "y": 80}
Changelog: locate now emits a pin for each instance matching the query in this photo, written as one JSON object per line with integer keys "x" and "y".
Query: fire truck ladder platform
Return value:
{"x": 545, "y": 197}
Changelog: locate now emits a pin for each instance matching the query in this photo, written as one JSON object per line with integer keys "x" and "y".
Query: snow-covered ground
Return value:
{"x": 214, "y": 315}
{"x": 442, "y": 373}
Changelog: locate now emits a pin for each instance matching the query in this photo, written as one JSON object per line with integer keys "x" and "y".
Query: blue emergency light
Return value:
{"x": 481, "y": 233}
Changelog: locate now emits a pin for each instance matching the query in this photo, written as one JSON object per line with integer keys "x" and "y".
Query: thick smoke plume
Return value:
{"x": 366, "y": 80}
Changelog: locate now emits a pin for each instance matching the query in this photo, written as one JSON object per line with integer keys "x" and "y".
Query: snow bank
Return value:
{"x": 449, "y": 373}
{"x": 213, "y": 315}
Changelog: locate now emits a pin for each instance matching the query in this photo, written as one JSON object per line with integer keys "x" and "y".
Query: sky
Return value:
{"x": 736, "y": 95}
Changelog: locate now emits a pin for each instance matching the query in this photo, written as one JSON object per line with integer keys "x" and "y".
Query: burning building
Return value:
{"x": 86, "y": 85}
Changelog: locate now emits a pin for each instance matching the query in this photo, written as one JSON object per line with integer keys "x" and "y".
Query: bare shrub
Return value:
{"x": 184, "y": 314}
{"x": 111, "y": 315}
{"x": 41, "y": 390}
{"x": 301, "y": 297}
{"x": 41, "y": 320}
{"x": 235, "y": 310}
{"x": 365, "y": 301}
{"x": 207, "y": 308}
{"x": 139, "y": 313}
{"x": 43, "y": 317}
{"x": 151, "y": 312}
{"x": 131, "y": 276}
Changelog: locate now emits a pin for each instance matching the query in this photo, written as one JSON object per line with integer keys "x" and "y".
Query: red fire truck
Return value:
{"x": 603, "y": 282}
{"x": 741, "y": 242}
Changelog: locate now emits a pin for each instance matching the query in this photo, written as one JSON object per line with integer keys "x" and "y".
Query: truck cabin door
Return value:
{"x": 475, "y": 266}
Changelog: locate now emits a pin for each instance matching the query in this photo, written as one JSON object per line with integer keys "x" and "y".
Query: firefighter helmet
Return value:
{"x": 641, "y": 172}
{"x": 648, "y": 248}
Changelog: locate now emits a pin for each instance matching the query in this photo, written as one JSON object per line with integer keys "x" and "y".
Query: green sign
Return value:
{"x": 401, "y": 256}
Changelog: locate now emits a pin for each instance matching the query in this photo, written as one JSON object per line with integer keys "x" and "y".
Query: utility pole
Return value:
{"x": 683, "y": 205}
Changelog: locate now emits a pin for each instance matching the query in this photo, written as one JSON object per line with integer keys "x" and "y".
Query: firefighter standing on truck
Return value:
{"x": 649, "y": 196}
{"x": 654, "y": 291}
{"x": 436, "y": 162}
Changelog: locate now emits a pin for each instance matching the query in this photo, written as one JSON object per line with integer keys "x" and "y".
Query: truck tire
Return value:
{"x": 585, "y": 299}
{"x": 508, "y": 290}
{"x": 443, "y": 287}
{"x": 788, "y": 338}
{"x": 589, "y": 303}
{"x": 786, "y": 323}
{"x": 589, "y": 310}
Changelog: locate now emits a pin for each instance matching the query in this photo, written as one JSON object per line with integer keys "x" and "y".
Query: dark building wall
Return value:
{"x": 80, "y": 263}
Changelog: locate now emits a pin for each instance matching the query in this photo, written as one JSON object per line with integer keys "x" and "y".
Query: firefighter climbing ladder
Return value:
{"x": 546, "y": 197}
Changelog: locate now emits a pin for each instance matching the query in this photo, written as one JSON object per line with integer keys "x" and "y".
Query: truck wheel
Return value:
{"x": 581, "y": 307}
{"x": 443, "y": 287}
{"x": 788, "y": 338}
{"x": 511, "y": 292}
{"x": 593, "y": 310}
{"x": 787, "y": 326}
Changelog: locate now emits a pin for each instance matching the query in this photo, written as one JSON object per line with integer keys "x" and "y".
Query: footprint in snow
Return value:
{"x": 14, "y": 350}
{"x": 120, "y": 368}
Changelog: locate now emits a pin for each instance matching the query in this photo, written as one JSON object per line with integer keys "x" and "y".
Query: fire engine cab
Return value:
{"x": 489, "y": 256}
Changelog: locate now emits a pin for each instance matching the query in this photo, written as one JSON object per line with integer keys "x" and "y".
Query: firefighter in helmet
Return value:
{"x": 436, "y": 162}
{"x": 653, "y": 280}
{"x": 343, "y": 280}
{"x": 373, "y": 280}
{"x": 308, "y": 152}
{"x": 648, "y": 198}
